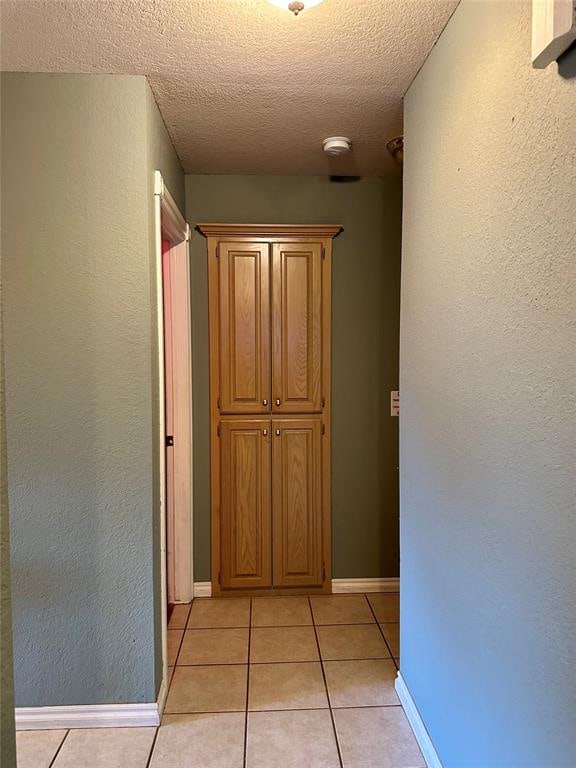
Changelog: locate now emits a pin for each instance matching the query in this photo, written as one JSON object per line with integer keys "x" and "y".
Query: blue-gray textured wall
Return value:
{"x": 79, "y": 151}
{"x": 487, "y": 376}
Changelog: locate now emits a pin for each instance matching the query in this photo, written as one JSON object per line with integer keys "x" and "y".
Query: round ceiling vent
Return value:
{"x": 337, "y": 145}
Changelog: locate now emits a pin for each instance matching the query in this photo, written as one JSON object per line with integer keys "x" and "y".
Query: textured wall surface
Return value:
{"x": 79, "y": 362}
{"x": 245, "y": 87}
{"x": 161, "y": 156}
{"x": 7, "y": 740}
{"x": 365, "y": 316}
{"x": 488, "y": 423}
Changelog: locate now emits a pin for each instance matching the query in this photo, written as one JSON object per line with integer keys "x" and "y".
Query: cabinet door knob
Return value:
{"x": 264, "y": 432}
{"x": 278, "y": 432}
{"x": 277, "y": 401}
{"x": 264, "y": 402}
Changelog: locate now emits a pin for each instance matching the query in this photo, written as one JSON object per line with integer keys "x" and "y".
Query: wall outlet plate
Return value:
{"x": 553, "y": 30}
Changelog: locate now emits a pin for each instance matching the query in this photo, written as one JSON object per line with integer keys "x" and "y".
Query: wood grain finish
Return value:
{"x": 270, "y": 322}
{"x": 297, "y": 327}
{"x": 297, "y": 501}
{"x": 245, "y": 506}
{"x": 244, "y": 327}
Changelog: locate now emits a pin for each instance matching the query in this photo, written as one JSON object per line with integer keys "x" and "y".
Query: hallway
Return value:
{"x": 263, "y": 682}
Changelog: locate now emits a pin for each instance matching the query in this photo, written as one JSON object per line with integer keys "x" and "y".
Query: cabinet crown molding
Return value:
{"x": 269, "y": 230}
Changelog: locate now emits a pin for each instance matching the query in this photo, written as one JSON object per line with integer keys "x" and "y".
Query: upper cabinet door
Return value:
{"x": 244, "y": 297}
{"x": 297, "y": 327}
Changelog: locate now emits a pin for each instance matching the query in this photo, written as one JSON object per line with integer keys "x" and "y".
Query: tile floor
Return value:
{"x": 279, "y": 682}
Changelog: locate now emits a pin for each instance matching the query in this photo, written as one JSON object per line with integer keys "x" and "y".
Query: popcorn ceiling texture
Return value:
{"x": 243, "y": 86}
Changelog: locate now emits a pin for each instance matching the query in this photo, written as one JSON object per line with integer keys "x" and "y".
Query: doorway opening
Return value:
{"x": 172, "y": 237}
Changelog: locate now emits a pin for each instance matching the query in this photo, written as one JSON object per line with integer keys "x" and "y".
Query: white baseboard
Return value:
{"x": 87, "y": 716}
{"x": 365, "y": 585}
{"x": 202, "y": 589}
{"x": 339, "y": 586}
{"x": 417, "y": 724}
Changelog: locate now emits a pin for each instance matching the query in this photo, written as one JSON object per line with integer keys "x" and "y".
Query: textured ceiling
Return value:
{"x": 245, "y": 87}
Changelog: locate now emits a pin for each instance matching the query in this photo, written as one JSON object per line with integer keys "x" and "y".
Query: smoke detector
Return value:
{"x": 337, "y": 145}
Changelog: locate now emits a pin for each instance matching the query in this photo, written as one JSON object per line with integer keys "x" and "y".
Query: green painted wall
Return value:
{"x": 160, "y": 156}
{"x": 7, "y": 739}
{"x": 79, "y": 151}
{"x": 488, "y": 420}
{"x": 366, "y": 277}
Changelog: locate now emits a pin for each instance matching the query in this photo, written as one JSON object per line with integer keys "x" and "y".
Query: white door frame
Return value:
{"x": 168, "y": 221}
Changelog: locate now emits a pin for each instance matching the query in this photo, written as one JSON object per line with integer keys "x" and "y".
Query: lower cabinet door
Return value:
{"x": 297, "y": 502}
{"x": 245, "y": 515}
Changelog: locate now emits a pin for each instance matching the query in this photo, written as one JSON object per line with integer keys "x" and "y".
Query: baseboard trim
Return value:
{"x": 416, "y": 723}
{"x": 342, "y": 586}
{"x": 339, "y": 586}
{"x": 87, "y": 716}
{"x": 202, "y": 589}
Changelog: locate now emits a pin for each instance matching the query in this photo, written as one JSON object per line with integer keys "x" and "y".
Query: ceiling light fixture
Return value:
{"x": 296, "y": 6}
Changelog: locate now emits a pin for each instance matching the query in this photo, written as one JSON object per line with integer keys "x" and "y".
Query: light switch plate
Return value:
{"x": 394, "y": 403}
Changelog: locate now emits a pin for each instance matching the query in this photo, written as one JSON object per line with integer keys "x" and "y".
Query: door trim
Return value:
{"x": 168, "y": 221}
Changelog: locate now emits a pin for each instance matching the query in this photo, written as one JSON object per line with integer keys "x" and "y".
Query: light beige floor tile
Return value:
{"x": 291, "y": 740}
{"x": 392, "y": 635}
{"x": 286, "y": 686}
{"x": 174, "y": 640}
{"x": 215, "y": 646}
{"x": 208, "y": 689}
{"x": 367, "y": 683}
{"x": 106, "y": 748}
{"x": 179, "y": 616}
{"x": 280, "y": 612}
{"x": 341, "y": 609}
{"x": 386, "y": 606}
{"x": 283, "y": 644}
{"x": 36, "y": 749}
{"x": 377, "y": 738}
{"x": 200, "y": 741}
{"x": 361, "y": 641}
{"x": 208, "y": 612}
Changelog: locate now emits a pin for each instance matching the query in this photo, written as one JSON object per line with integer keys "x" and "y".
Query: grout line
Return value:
{"x": 152, "y": 747}
{"x": 53, "y": 761}
{"x": 382, "y": 633}
{"x": 286, "y": 709}
{"x": 326, "y": 688}
{"x": 291, "y": 661}
{"x": 247, "y": 686}
{"x": 179, "y": 646}
{"x": 287, "y": 626}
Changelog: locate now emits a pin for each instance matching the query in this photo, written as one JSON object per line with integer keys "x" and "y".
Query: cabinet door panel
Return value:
{"x": 297, "y": 327}
{"x": 245, "y": 503}
{"x": 244, "y": 288}
{"x": 297, "y": 502}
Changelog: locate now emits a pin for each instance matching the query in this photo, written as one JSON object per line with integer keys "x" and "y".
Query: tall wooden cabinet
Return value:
{"x": 269, "y": 313}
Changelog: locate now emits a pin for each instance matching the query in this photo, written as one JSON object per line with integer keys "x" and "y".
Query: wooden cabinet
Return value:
{"x": 297, "y": 502}
{"x": 269, "y": 308}
{"x": 297, "y": 327}
{"x": 245, "y": 506}
{"x": 244, "y": 301}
